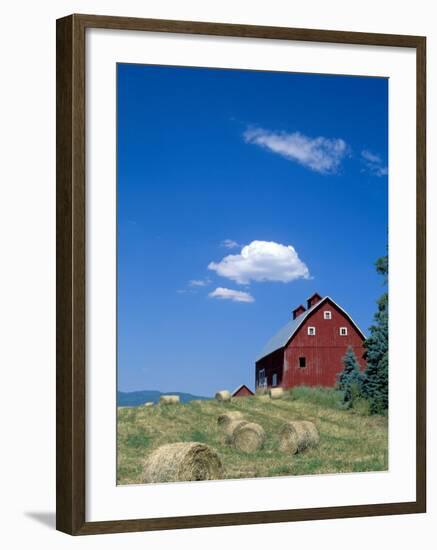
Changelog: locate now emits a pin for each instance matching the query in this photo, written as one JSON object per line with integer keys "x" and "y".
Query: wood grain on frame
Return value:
{"x": 71, "y": 283}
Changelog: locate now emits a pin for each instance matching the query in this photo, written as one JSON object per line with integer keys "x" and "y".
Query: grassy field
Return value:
{"x": 349, "y": 441}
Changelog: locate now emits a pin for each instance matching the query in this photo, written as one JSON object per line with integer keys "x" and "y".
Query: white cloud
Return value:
{"x": 229, "y": 294}
{"x": 262, "y": 261}
{"x": 229, "y": 243}
{"x": 374, "y": 163}
{"x": 199, "y": 282}
{"x": 321, "y": 154}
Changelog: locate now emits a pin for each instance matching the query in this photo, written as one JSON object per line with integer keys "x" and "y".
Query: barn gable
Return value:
{"x": 285, "y": 334}
{"x": 242, "y": 391}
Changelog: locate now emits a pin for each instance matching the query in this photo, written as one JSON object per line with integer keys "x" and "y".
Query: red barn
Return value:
{"x": 309, "y": 349}
{"x": 242, "y": 391}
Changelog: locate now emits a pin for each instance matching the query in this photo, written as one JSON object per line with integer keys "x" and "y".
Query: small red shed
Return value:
{"x": 242, "y": 391}
{"x": 309, "y": 349}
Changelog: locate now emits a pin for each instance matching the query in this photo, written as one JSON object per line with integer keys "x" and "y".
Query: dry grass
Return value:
{"x": 349, "y": 442}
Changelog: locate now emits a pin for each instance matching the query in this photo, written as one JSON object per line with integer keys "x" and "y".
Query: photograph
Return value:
{"x": 252, "y": 274}
{"x": 217, "y": 280}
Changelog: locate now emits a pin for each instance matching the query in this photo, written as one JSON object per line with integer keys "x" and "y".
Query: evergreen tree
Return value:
{"x": 375, "y": 383}
{"x": 350, "y": 380}
{"x": 381, "y": 265}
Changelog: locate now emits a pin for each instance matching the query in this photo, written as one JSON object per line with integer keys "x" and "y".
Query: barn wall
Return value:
{"x": 273, "y": 364}
{"x": 323, "y": 352}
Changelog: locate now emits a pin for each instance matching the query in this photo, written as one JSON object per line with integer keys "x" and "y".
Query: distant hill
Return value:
{"x": 134, "y": 398}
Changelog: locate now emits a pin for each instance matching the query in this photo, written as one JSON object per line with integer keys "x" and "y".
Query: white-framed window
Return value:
{"x": 327, "y": 315}
{"x": 275, "y": 380}
{"x": 343, "y": 331}
{"x": 311, "y": 331}
{"x": 262, "y": 378}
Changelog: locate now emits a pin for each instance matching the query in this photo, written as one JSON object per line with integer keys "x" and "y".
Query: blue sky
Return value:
{"x": 241, "y": 193}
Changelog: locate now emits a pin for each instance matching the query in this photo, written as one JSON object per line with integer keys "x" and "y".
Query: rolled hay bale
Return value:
{"x": 149, "y": 404}
{"x": 312, "y": 433}
{"x": 289, "y": 438}
{"x": 169, "y": 399}
{"x": 276, "y": 393}
{"x": 182, "y": 462}
{"x": 230, "y": 429}
{"x": 223, "y": 395}
{"x": 249, "y": 437}
{"x": 226, "y": 418}
{"x": 297, "y": 436}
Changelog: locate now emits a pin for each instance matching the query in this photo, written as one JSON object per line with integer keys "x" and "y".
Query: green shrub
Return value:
{"x": 361, "y": 406}
{"x": 350, "y": 379}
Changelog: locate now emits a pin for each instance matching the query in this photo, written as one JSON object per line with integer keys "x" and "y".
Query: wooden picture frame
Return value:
{"x": 71, "y": 283}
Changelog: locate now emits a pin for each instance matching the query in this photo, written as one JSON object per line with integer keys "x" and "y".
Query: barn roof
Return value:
{"x": 240, "y": 387}
{"x": 283, "y": 336}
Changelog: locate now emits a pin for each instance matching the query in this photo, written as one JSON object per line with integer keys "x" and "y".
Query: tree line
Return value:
{"x": 370, "y": 387}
